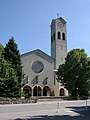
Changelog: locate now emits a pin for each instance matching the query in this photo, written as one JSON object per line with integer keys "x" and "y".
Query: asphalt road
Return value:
{"x": 46, "y": 110}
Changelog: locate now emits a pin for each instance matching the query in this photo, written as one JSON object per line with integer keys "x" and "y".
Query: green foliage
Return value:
{"x": 10, "y": 70}
{"x": 75, "y": 73}
{"x": 1, "y": 49}
{"x": 12, "y": 55}
{"x": 8, "y": 79}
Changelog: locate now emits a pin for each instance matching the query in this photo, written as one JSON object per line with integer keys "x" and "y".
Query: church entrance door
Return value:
{"x": 46, "y": 91}
{"x": 27, "y": 90}
{"x": 37, "y": 91}
{"x": 62, "y": 92}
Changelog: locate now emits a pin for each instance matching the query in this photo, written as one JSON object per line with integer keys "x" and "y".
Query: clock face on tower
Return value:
{"x": 37, "y": 66}
{"x": 60, "y": 24}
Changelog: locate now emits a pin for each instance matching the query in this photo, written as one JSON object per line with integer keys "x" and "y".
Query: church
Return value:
{"x": 40, "y": 68}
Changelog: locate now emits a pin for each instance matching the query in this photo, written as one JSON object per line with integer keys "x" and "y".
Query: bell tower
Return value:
{"x": 58, "y": 50}
{"x": 58, "y": 41}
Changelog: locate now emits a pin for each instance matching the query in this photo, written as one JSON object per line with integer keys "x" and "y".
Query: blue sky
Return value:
{"x": 28, "y": 21}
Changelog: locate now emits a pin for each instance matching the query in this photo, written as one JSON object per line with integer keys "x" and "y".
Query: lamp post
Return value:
{"x": 77, "y": 92}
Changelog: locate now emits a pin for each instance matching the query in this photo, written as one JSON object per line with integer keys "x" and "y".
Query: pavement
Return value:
{"x": 66, "y": 114}
{"x": 81, "y": 115}
{"x": 66, "y": 111}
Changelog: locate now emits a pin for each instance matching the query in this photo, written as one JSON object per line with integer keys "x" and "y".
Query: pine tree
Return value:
{"x": 8, "y": 79}
{"x": 12, "y": 55}
{"x": 1, "y": 49}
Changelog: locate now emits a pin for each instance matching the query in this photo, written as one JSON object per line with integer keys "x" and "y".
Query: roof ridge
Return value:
{"x": 41, "y": 54}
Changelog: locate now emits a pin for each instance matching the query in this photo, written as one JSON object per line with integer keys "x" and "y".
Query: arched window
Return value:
{"x": 63, "y": 36}
{"x": 54, "y": 36}
{"x": 59, "y": 35}
{"x": 62, "y": 92}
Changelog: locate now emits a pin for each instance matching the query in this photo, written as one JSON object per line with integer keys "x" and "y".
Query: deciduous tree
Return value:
{"x": 75, "y": 72}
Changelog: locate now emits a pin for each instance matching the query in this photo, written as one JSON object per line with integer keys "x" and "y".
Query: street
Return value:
{"x": 54, "y": 108}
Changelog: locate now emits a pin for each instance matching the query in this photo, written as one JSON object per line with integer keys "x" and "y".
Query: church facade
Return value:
{"x": 39, "y": 68}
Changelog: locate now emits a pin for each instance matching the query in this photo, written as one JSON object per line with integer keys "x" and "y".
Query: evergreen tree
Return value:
{"x": 1, "y": 81}
{"x": 1, "y": 49}
{"x": 12, "y": 55}
{"x": 8, "y": 79}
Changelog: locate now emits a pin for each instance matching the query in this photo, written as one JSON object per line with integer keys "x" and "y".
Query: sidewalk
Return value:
{"x": 82, "y": 115}
{"x": 67, "y": 110}
{"x": 64, "y": 114}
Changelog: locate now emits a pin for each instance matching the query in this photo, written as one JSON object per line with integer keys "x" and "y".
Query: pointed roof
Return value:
{"x": 39, "y": 53}
{"x": 60, "y": 18}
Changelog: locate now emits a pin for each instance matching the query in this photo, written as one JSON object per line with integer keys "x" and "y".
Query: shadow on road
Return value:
{"x": 83, "y": 115}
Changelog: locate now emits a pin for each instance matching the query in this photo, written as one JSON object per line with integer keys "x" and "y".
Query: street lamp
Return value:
{"x": 77, "y": 91}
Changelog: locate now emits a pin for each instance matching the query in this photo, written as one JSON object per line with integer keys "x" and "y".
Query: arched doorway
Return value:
{"x": 27, "y": 91}
{"x": 37, "y": 91}
{"x": 62, "y": 92}
{"x": 46, "y": 91}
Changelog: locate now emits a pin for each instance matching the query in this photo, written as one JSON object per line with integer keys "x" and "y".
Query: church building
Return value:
{"x": 40, "y": 68}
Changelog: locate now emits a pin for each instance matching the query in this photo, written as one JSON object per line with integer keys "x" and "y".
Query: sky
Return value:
{"x": 28, "y": 21}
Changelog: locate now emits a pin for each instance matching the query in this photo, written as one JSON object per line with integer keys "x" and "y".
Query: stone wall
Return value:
{"x": 18, "y": 101}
